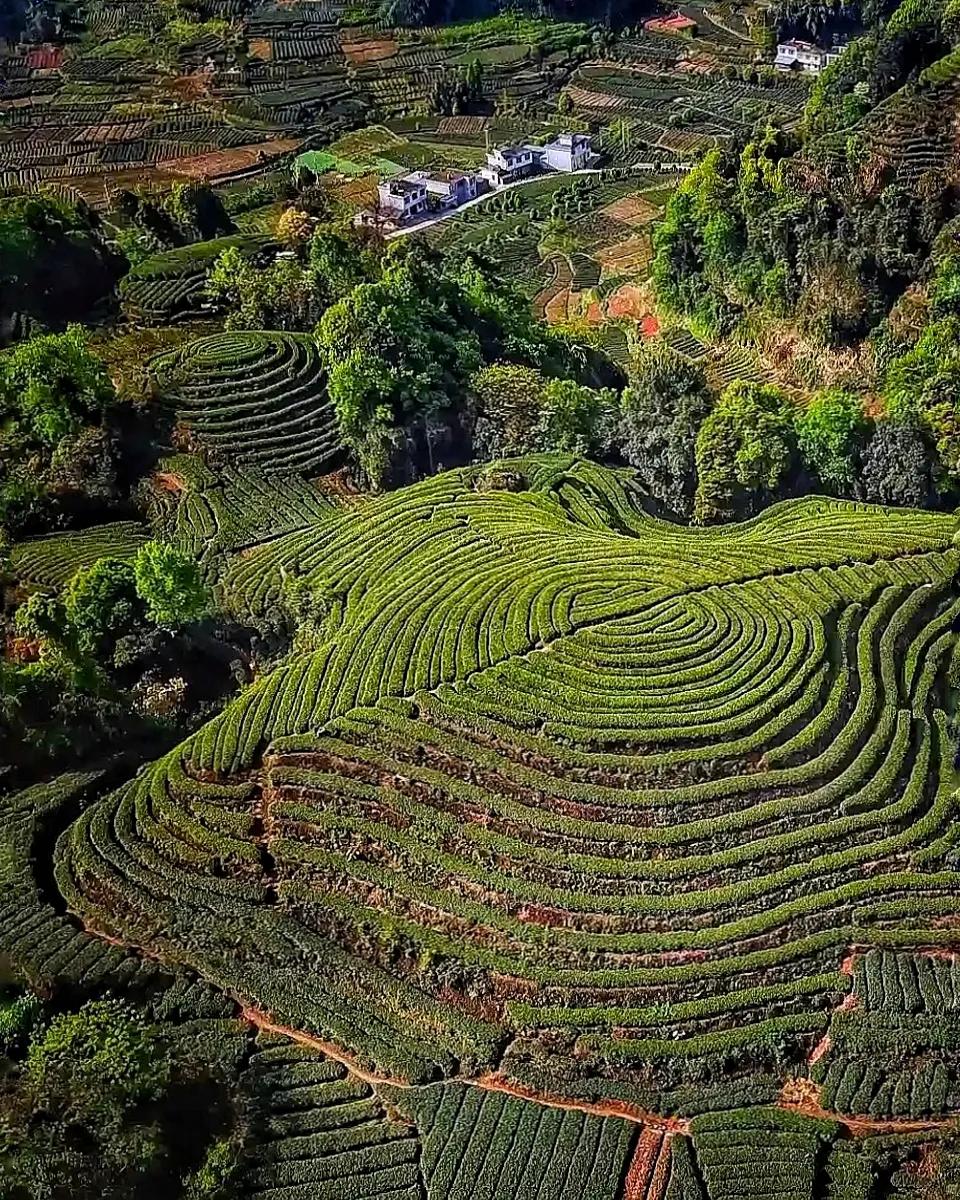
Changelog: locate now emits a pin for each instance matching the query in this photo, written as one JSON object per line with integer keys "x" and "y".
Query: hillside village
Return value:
{"x": 420, "y": 193}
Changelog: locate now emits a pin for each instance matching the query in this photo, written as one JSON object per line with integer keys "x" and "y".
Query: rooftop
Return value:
{"x": 676, "y": 22}
{"x": 798, "y": 44}
{"x": 400, "y": 187}
{"x": 447, "y": 176}
{"x": 513, "y": 151}
{"x": 46, "y": 58}
{"x": 570, "y": 139}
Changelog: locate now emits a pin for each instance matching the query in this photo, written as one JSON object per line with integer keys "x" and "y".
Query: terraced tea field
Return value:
{"x": 256, "y": 398}
{"x": 559, "y": 852}
{"x": 594, "y": 849}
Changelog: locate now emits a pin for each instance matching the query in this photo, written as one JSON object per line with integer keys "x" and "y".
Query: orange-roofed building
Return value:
{"x": 678, "y": 25}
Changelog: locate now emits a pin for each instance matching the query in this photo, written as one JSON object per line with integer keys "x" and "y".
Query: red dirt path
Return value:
{"x": 649, "y": 1170}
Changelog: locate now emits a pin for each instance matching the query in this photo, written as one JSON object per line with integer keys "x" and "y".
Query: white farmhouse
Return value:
{"x": 797, "y": 55}
{"x": 508, "y": 164}
{"x": 567, "y": 152}
{"x": 450, "y": 188}
{"x": 404, "y": 198}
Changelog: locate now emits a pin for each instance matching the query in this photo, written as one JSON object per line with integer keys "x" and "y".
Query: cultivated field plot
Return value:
{"x": 631, "y": 819}
{"x": 133, "y": 97}
{"x": 645, "y": 110}
{"x": 53, "y": 560}
{"x": 517, "y": 231}
{"x": 171, "y": 286}
{"x": 253, "y": 398}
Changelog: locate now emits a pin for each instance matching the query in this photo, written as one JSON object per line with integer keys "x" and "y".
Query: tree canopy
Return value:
{"x": 54, "y": 400}
{"x": 663, "y": 408}
{"x": 55, "y": 264}
{"x": 745, "y": 450}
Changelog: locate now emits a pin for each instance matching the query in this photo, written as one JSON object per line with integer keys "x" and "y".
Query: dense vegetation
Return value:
{"x": 848, "y": 233}
{"x": 55, "y": 264}
{"x": 478, "y": 706}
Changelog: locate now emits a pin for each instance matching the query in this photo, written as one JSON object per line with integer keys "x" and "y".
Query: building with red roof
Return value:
{"x": 676, "y": 26}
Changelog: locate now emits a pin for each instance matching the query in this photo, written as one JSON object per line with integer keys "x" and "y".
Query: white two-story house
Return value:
{"x": 567, "y": 152}
{"x": 404, "y": 198}
{"x": 450, "y": 189}
{"x": 797, "y": 55}
{"x": 508, "y": 164}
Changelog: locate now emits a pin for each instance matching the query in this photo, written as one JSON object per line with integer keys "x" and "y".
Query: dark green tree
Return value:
{"x": 745, "y": 452}
{"x": 78, "y": 1120}
{"x": 830, "y": 434}
{"x": 170, "y": 585}
{"x": 55, "y": 398}
{"x": 662, "y": 411}
{"x": 897, "y": 466}
{"x": 399, "y": 354}
{"x": 55, "y": 264}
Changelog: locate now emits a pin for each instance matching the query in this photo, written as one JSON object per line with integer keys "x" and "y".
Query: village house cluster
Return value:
{"x": 794, "y": 55}
{"x": 797, "y": 55}
{"x": 412, "y": 196}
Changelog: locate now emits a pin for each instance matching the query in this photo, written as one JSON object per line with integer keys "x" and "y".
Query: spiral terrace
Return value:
{"x": 567, "y": 793}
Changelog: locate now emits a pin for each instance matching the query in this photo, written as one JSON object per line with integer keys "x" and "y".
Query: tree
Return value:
{"x": 509, "y": 398}
{"x": 55, "y": 264}
{"x": 575, "y": 419}
{"x": 339, "y": 262}
{"x": 897, "y": 466}
{"x": 101, "y": 605}
{"x": 43, "y": 618}
{"x": 294, "y": 227}
{"x": 522, "y": 411}
{"x": 830, "y": 433}
{"x": 282, "y": 295}
{"x": 51, "y": 386}
{"x": 55, "y": 397}
{"x": 170, "y": 585}
{"x": 111, "y": 601}
{"x": 698, "y": 243}
{"x": 745, "y": 450}
{"x": 662, "y": 411}
{"x": 398, "y": 353}
{"x": 96, "y": 1061}
{"x": 79, "y": 1119}
{"x": 197, "y": 211}
{"x": 215, "y": 1176}
{"x": 923, "y": 386}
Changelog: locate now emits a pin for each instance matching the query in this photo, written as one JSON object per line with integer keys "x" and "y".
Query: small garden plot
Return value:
{"x": 260, "y": 48}
{"x": 374, "y": 50}
{"x": 629, "y": 257}
{"x": 495, "y": 56}
{"x": 738, "y": 363}
{"x": 683, "y": 341}
{"x": 262, "y": 220}
{"x": 463, "y": 126}
{"x": 366, "y": 144}
{"x": 558, "y": 280}
{"x": 53, "y": 560}
{"x": 587, "y": 98}
{"x": 585, "y": 271}
{"x": 684, "y": 142}
{"x": 597, "y": 230}
{"x": 636, "y": 209}
{"x": 615, "y": 343}
{"x": 629, "y": 300}
{"x": 353, "y": 193}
